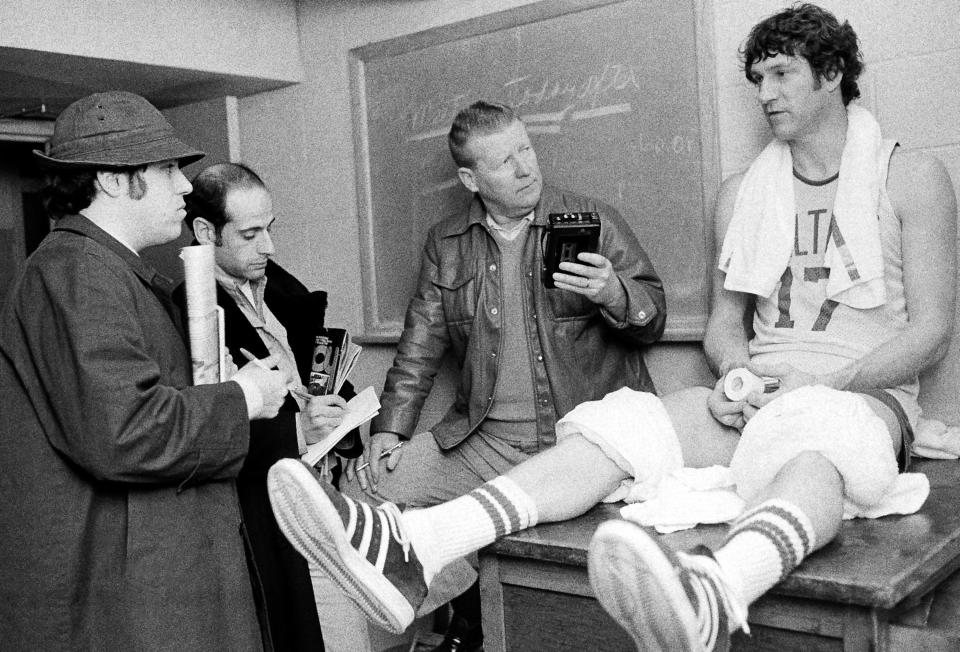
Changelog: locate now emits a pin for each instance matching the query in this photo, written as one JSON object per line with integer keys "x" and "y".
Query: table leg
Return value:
{"x": 491, "y": 603}
{"x": 861, "y": 631}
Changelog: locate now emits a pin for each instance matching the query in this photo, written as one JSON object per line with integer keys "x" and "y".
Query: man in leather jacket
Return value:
{"x": 526, "y": 354}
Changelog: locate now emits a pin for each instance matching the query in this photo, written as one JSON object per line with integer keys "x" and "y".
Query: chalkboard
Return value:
{"x": 617, "y": 97}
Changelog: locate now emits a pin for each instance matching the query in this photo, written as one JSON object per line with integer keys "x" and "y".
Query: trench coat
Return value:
{"x": 119, "y": 521}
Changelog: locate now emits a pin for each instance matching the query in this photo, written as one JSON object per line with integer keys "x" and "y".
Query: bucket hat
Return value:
{"x": 115, "y": 129}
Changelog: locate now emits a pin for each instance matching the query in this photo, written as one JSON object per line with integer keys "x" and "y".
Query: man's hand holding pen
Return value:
{"x": 322, "y": 413}
{"x": 264, "y": 387}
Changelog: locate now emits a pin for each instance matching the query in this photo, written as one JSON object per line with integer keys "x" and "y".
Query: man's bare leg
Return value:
{"x": 567, "y": 480}
{"x": 356, "y": 539}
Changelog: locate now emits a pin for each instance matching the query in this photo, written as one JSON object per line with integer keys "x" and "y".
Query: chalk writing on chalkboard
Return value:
{"x": 612, "y": 95}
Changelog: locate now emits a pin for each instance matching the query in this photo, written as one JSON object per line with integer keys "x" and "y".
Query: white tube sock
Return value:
{"x": 763, "y": 546}
{"x": 451, "y": 530}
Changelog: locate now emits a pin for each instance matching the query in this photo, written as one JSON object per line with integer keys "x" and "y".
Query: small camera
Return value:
{"x": 566, "y": 235}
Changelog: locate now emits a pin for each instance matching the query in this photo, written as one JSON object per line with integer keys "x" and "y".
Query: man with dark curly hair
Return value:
{"x": 809, "y": 32}
{"x": 841, "y": 249}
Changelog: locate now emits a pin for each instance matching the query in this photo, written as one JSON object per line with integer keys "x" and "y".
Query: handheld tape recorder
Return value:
{"x": 566, "y": 235}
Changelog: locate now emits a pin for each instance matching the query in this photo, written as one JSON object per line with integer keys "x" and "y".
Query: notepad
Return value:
{"x": 360, "y": 409}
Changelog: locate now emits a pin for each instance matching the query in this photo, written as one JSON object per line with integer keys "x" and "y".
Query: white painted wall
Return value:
{"x": 257, "y": 38}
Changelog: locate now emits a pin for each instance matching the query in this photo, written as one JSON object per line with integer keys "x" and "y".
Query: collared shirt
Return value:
{"x": 510, "y": 232}
{"x": 248, "y": 296}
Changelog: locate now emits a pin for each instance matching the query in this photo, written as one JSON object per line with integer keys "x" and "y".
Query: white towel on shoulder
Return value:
{"x": 756, "y": 248}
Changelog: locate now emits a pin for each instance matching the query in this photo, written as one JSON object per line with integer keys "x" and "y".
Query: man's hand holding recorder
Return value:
{"x": 570, "y": 261}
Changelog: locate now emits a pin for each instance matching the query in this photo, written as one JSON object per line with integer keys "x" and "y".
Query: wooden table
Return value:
{"x": 536, "y": 594}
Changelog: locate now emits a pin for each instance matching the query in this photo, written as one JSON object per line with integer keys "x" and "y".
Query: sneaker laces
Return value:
{"x": 392, "y": 514}
{"x": 706, "y": 570}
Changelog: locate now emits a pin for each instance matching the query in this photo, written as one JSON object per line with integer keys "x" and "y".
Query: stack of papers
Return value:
{"x": 360, "y": 409}
{"x": 348, "y": 358}
{"x": 334, "y": 356}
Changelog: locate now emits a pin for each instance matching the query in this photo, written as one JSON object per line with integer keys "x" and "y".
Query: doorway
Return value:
{"x": 23, "y": 222}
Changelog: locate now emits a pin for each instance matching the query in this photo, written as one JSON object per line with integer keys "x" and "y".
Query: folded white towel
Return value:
{"x": 759, "y": 239}
{"x": 936, "y": 440}
{"x": 686, "y": 498}
{"x": 680, "y": 506}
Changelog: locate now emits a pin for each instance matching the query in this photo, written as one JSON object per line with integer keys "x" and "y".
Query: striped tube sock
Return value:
{"x": 458, "y": 527}
{"x": 763, "y": 545}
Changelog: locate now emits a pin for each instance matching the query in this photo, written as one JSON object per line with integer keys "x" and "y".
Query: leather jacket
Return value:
{"x": 578, "y": 351}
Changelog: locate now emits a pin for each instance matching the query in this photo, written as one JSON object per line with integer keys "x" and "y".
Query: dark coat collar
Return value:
{"x": 84, "y": 226}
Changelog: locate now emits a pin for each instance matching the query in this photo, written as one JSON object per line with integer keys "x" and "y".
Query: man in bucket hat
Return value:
{"x": 119, "y": 522}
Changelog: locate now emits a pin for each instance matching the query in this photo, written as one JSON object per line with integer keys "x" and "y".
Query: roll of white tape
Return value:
{"x": 738, "y": 383}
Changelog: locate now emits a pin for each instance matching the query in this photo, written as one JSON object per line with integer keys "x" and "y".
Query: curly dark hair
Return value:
{"x": 68, "y": 193}
{"x": 813, "y": 33}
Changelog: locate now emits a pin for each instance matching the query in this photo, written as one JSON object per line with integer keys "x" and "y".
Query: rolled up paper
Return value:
{"x": 738, "y": 383}
{"x": 203, "y": 315}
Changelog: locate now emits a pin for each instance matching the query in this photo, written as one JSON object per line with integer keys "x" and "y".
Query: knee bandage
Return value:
{"x": 838, "y": 425}
{"x": 634, "y": 430}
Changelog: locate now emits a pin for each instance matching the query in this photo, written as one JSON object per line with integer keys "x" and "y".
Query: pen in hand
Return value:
{"x": 383, "y": 454}
{"x": 255, "y": 360}
{"x": 299, "y": 393}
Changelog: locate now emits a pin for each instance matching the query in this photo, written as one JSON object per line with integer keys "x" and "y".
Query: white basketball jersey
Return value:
{"x": 798, "y": 323}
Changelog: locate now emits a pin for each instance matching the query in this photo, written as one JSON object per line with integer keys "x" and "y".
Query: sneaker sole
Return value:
{"x": 311, "y": 523}
{"x": 637, "y": 585}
